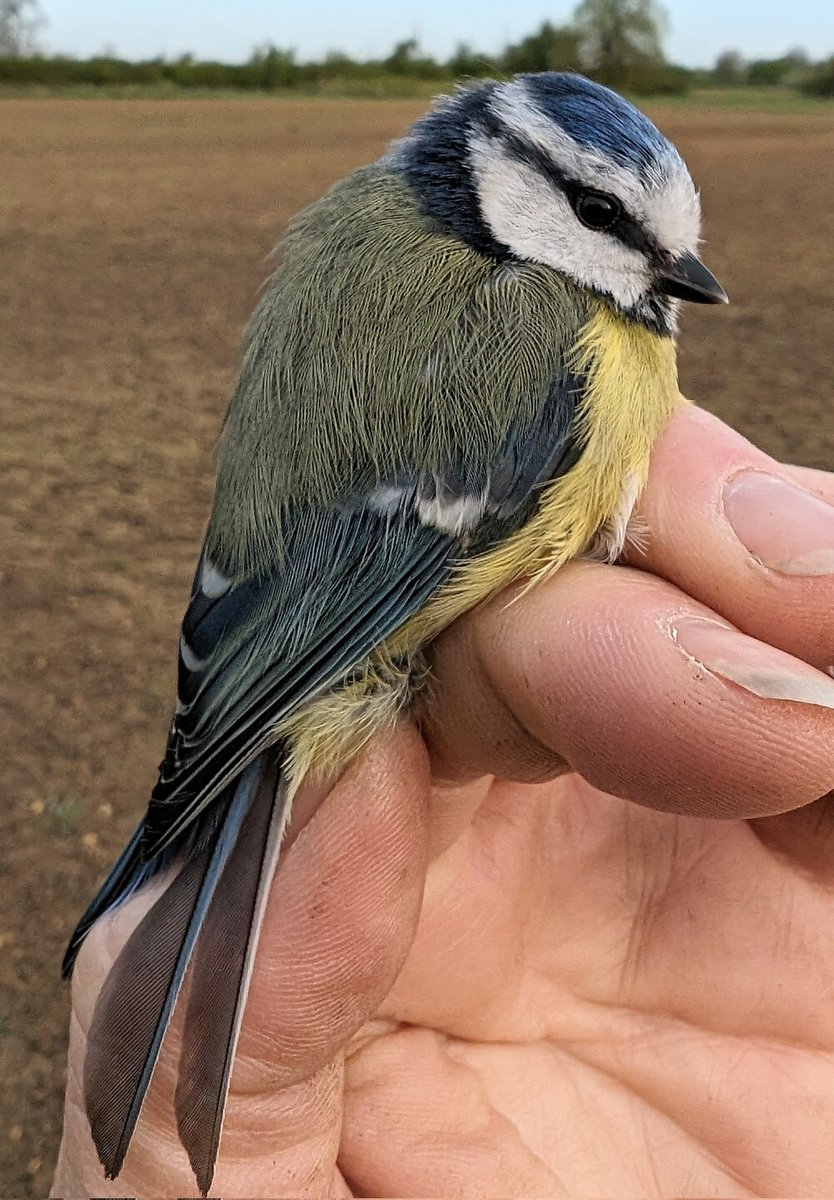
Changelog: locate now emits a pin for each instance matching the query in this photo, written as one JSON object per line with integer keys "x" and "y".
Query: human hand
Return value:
{"x": 569, "y": 984}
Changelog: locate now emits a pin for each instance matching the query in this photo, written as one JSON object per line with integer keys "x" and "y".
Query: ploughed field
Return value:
{"x": 133, "y": 237}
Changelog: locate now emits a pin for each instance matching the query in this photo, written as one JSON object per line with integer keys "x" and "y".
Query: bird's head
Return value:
{"x": 556, "y": 169}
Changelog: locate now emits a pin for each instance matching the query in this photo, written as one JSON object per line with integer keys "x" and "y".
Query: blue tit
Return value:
{"x": 453, "y": 380}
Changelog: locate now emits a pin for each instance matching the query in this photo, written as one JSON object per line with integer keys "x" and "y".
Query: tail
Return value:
{"x": 210, "y": 917}
{"x": 130, "y": 872}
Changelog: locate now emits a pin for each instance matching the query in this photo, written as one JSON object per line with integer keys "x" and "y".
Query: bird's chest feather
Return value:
{"x": 630, "y": 394}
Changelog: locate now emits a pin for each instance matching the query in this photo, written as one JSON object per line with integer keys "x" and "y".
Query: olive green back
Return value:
{"x": 381, "y": 345}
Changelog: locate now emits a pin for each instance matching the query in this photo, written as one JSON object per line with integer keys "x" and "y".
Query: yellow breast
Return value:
{"x": 631, "y": 392}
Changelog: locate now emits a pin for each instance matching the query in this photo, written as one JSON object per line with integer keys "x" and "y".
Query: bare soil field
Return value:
{"x": 133, "y": 236}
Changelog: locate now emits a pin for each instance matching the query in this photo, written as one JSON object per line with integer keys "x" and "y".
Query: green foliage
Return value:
{"x": 789, "y": 70}
{"x": 819, "y": 81}
{"x": 551, "y": 48}
{"x": 64, "y": 814}
{"x": 406, "y": 59}
{"x": 661, "y": 79}
{"x": 467, "y": 63}
{"x": 64, "y": 72}
{"x": 376, "y": 85}
{"x": 620, "y": 41}
{"x": 271, "y": 68}
{"x": 339, "y": 66}
{"x": 765, "y": 72}
{"x": 730, "y": 69}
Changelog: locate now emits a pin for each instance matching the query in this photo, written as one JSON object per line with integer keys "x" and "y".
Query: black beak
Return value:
{"x": 688, "y": 279}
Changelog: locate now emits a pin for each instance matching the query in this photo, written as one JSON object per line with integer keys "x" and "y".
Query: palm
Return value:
{"x": 603, "y": 1000}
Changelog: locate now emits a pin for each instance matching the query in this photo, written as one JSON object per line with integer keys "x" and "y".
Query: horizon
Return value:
{"x": 368, "y": 29}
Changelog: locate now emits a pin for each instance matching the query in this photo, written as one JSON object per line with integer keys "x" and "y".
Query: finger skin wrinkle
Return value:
{"x": 664, "y": 1021}
{"x": 651, "y": 890}
{"x": 675, "y": 1122}
{"x": 717, "y": 1103}
{"x": 654, "y": 881}
{"x": 500, "y": 1123}
{"x": 693, "y": 544}
{"x": 501, "y": 1120}
{"x": 643, "y": 1151}
{"x": 802, "y": 842}
{"x": 468, "y": 721}
{"x": 440, "y": 1133}
{"x": 545, "y": 763}
{"x": 540, "y": 763}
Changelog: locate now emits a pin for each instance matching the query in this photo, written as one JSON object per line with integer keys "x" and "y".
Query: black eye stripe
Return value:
{"x": 628, "y": 231}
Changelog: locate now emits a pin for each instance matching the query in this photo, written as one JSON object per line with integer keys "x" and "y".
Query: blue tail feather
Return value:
{"x": 135, "y": 1006}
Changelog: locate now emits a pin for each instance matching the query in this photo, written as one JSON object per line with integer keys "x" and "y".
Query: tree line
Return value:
{"x": 618, "y": 42}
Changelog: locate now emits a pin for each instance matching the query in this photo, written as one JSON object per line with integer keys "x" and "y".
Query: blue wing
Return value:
{"x": 251, "y": 653}
{"x": 255, "y": 649}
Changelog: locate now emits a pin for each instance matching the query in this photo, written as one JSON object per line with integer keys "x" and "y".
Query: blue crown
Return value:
{"x": 599, "y": 119}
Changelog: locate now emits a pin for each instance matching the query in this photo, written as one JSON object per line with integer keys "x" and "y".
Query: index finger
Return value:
{"x": 821, "y": 483}
{"x": 745, "y": 535}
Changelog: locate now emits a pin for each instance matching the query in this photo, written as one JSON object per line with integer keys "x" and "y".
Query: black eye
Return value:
{"x": 596, "y": 210}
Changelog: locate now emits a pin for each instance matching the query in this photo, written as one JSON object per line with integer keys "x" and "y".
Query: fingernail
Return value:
{"x": 783, "y": 526}
{"x": 754, "y": 666}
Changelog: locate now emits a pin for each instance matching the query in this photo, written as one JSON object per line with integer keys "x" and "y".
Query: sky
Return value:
{"x": 229, "y": 29}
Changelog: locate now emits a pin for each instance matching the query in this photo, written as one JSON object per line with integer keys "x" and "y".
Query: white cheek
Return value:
{"x": 527, "y": 214}
{"x": 666, "y": 202}
{"x": 673, "y": 213}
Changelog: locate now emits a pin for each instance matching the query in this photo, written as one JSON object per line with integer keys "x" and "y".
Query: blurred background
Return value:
{"x": 149, "y": 157}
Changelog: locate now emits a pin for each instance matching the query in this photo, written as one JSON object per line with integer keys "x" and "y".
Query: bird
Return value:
{"x": 452, "y": 381}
